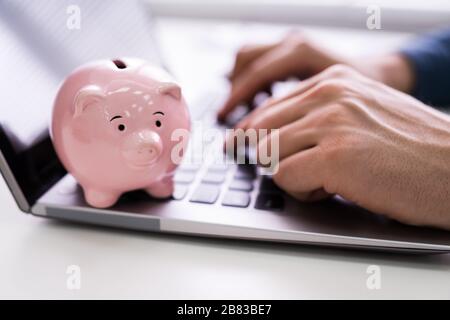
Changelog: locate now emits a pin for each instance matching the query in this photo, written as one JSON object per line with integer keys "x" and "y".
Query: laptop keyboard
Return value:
{"x": 234, "y": 184}
{"x": 216, "y": 182}
{"x": 224, "y": 184}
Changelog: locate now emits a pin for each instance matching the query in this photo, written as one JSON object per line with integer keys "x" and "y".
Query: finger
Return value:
{"x": 304, "y": 90}
{"x": 290, "y": 111}
{"x": 302, "y": 87}
{"x": 315, "y": 195}
{"x": 301, "y": 174}
{"x": 271, "y": 66}
{"x": 246, "y": 55}
{"x": 292, "y": 138}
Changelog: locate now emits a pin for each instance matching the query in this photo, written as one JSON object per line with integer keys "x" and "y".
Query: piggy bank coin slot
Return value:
{"x": 119, "y": 64}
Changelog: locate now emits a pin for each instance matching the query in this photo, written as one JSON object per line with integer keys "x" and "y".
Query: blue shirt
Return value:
{"x": 430, "y": 59}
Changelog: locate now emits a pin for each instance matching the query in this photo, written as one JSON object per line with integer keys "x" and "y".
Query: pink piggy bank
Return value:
{"x": 113, "y": 125}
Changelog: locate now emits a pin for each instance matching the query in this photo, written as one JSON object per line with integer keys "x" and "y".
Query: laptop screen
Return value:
{"x": 43, "y": 41}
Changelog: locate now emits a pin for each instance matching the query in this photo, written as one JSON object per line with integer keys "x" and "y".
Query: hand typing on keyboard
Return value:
{"x": 258, "y": 66}
{"x": 341, "y": 132}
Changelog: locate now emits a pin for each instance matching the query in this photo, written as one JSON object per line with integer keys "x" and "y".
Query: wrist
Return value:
{"x": 393, "y": 70}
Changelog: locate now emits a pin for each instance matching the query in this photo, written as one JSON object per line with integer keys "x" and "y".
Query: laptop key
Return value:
{"x": 236, "y": 115}
{"x": 269, "y": 201}
{"x": 220, "y": 167}
{"x": 245, "y": 171}
{"x": 267, "y": 185}
{"x": 241, "y": 184}
{"x": 184, "y": 177}
{"x": 214, "y": 177}
{"x": 180, "y": 191}
{"x": 236, "y": 199}
{"x": 205, "y": 193}
{"x": 192, "y": 167}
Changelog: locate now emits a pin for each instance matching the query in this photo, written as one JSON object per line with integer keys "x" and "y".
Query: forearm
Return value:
{"x": 394, "y": 70}
{"x": 421, "y": 68}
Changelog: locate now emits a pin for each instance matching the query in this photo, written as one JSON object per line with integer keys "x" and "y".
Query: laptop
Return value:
{"x": 211, "y": 199}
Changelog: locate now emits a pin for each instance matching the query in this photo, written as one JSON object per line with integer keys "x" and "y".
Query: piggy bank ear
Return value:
{"x": 86, "y": 97}
{"x": 171, "y": 89}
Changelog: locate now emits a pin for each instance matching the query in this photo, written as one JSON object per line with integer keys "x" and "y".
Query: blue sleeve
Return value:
{"x": 430, "y": 59}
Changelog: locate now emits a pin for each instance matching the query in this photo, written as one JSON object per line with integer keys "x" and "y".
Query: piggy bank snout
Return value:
{"x": 142, "y": 148}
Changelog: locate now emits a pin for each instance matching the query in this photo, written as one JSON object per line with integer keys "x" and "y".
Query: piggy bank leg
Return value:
{"x": 161, "y": 189}
{"x": 100, "y": 199}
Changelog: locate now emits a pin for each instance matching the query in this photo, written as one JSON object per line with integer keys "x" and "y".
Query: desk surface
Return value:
{"x": 35, "y": 254}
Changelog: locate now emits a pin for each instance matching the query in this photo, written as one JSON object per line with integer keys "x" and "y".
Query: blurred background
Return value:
{"x": 43, "y": 40}
{"x": 413, "y": 15}
{"x": 225, "y": 25}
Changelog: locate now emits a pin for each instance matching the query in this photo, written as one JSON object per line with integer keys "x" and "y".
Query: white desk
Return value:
{"x": 35, "y": 252}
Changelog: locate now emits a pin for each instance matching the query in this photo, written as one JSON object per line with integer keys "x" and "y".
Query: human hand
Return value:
{"x": 258, "y": 66}
{"x": 343, "y": 133}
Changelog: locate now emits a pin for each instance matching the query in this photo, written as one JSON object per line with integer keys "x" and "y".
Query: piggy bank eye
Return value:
{"x": 121, "y": 127}
{"x": 158, "y": 123}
